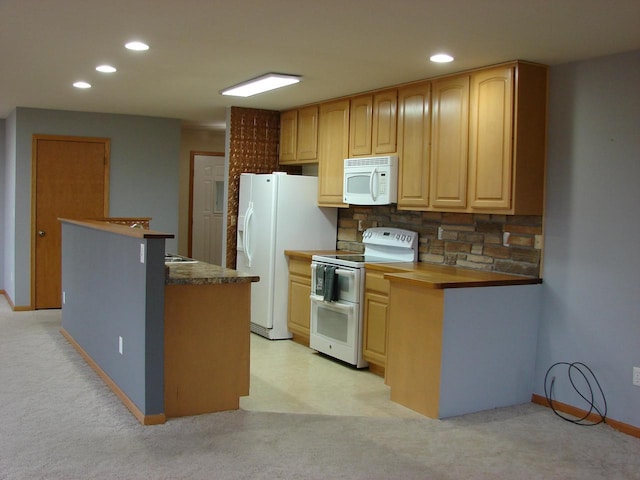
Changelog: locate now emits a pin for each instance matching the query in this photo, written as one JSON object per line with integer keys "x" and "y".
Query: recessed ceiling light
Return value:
{"x": 264, "y": 83}
{"x": 105, "y": 68}
{"x": 138, "y": 46}
{"x": 441, "y": 58}
{"x": 82, "y": 85}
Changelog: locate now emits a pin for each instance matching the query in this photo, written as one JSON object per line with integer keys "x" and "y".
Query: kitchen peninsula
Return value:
{"x": 460, "y": 341}
{"x": 169, "y": 339}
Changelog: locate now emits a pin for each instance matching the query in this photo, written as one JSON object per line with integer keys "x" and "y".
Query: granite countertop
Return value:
{"x": 201, "y": 273}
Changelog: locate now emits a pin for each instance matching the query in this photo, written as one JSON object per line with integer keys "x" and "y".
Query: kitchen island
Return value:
{"x": 169, "y": 340}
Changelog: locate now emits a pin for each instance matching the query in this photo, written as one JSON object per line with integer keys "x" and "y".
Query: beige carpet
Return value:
{"x": 59, "y": 421}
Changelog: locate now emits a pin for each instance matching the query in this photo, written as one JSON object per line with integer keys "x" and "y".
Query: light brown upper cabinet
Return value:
{"x": 385, "y": 122}
{"x": 360, "y": 124}
{"x": 471, "y": 142}
{"x": 373, "y": 124}
{"x": 288, "y": 136}
{"x": 414, "y": 129}
{"x": 507, "y": 139}
{"x": 449, "y": 141}
{"x": 333, "y": 148}
{"x": 299, "y": 136}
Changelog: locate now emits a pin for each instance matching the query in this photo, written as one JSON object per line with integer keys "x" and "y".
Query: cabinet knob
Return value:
{"x": 41, "y": 233}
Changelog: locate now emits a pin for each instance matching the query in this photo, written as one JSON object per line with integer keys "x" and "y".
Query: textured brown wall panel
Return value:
{"x": 253, "y": 147}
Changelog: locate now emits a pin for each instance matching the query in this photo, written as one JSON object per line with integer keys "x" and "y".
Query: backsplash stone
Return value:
{"x": 466, "y": 240}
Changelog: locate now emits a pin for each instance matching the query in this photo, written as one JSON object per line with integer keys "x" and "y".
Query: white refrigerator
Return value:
{"x": 278, "y": 212}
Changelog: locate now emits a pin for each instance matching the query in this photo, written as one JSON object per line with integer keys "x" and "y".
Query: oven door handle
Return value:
{"x": 334, "y": 305}
{"x": 346, "y": 273}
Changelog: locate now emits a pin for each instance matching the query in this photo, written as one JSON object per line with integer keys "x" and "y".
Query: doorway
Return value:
{"x": 206, "y": 206}
{"x": 70, "y": 179}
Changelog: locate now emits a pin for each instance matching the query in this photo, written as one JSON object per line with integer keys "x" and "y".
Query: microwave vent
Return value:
{"x": 368, "y": 161}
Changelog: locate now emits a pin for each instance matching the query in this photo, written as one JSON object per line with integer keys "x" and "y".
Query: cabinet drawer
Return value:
{"x": 375, "y": 281}
{"x": 300, "y": 267}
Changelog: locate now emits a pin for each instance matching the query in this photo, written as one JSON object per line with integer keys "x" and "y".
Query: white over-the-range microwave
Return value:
{"x": 371, "y": 180}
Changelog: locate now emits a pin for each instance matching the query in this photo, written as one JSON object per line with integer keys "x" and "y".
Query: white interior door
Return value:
{"x": 208, "y": 203}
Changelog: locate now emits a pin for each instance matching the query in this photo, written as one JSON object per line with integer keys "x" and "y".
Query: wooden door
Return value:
{"x": 490, "y": 138}
{"x": 449, "y": 142}
{"x": 70, "y": 180}
{"x": 333, "y": 148}
{"x": 385, "y": 122}
{"x": 307, "y": 143}
{"x": 288, "y": 136}
{"x": 414, "y": 130}
{"x": 360, "y": 121}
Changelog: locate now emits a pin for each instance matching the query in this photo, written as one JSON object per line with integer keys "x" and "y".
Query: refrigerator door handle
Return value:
{"x": 245, "y": 238}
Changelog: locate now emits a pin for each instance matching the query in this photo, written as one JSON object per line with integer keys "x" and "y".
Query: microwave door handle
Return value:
{"x": 372, "y": 182}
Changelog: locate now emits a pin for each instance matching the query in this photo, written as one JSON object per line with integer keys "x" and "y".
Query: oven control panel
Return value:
{"x": 393, "y": 237}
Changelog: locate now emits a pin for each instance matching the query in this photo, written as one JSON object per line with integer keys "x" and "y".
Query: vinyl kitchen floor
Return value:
{"x": 287, "y": 377}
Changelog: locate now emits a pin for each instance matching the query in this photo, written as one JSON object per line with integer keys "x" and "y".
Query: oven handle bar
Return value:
{"x": 346, "y": 273}
{"x": 336, "y": 305}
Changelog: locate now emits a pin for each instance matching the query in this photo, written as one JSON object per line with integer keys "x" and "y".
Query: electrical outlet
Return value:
{"x": 120, "y": 345}
{"x": 440, "y": 230}
{"x": 636, "y": 376}
{"x": 505, "y": 239}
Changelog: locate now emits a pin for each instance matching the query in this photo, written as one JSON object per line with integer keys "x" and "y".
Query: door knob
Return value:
{"x": 42, "y": 233}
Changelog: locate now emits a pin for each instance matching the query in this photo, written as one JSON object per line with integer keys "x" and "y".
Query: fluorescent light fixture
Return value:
{"x": 82, "y": 85}
{"x": 441, "y": 58}
{"x": 139, "y": 46}
{"x": 264, "y": 83}
{"x": 105, "y": 68}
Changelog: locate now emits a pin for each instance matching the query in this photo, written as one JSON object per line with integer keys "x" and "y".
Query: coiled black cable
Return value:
{"x": 571, "y": 367}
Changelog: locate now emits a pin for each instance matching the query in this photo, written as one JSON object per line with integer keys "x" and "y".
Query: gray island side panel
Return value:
{"x": 109, "y": 294}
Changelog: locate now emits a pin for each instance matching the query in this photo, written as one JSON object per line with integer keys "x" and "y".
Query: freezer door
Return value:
{"x": 242, "y": 263}
{"x": 259, "y": 231}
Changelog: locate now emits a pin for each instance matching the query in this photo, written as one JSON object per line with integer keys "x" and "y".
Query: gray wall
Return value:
{"x": 9, "y": 200}
{"x": 591, "y": 291}
{"x": 2, "y": 199}
{"x": 144, "y": 175}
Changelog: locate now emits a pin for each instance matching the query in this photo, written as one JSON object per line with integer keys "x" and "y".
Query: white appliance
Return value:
{"x": 337, "y": 291}
{"x": 371, "y": 180}
{"x": 278, "y": 212}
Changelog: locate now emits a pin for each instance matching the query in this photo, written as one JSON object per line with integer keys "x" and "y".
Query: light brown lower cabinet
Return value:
{"x": 206, "y": 347}
{"x": 375, "y": 320}
{"x": 299, "y": 307}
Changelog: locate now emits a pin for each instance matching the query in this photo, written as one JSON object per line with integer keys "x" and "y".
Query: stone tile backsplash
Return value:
{"x": 467, "y": 240}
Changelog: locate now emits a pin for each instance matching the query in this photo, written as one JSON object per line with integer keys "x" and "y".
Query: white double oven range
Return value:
{"x": 337, "y": 291}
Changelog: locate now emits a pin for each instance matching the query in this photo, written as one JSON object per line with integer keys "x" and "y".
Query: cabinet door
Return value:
{"x": 288, "y": 136}
{"x": 449, "y": 137}
{"x": 333, "y": 148}
{"x": 307, "y": 144}
{"x": 413, "y": 146}
{"x": 490, "y": 138}
{"x": 385, "y": 122}
{"x": 299, "y": 305}
{"x": 360, "y": 124}
{"x": 374, "y": 341}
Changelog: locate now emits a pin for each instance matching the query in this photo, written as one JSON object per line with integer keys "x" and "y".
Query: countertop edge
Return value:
{"x": 415, "y": 278}
{"x": 118, "y": 229}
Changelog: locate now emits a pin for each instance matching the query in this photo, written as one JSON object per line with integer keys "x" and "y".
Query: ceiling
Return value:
{"x": 339, "y": 47}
